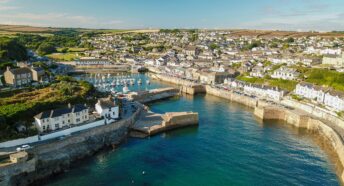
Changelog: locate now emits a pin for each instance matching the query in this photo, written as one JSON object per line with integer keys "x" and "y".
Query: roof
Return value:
{"x": 59, "y": 112}
{"x": 106, "y": 103}
{"x": 38, "y": 69}
{"x": 23, "y": 70}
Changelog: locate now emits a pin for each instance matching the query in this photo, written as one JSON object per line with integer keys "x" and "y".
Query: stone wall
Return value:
{"x": 180, "y": 119}
{"x": 57, "y": 156}
{"x": 300, "y": 120}
{"x": 263, "y": 110}
{"x": 154, "y": 95}
{"x": 245, "y": 100}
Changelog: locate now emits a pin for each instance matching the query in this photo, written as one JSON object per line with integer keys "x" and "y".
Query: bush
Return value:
{"x": 46, "y": 48}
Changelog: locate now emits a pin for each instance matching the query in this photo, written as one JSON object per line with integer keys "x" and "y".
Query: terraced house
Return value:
{"x": 332, "y": 99}
{"x": 61, "y": 118}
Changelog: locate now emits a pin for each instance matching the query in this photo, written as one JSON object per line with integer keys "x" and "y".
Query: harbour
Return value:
{"x": 229, "y": 141}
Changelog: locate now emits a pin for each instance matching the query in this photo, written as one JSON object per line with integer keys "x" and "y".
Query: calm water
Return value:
{"x": 230, "y": 147}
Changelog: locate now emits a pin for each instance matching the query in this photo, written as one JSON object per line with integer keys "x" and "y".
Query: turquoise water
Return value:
{"x": 230, "y": 147}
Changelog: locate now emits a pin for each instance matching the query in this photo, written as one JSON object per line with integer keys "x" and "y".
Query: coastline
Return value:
{"x": 56, "y": 157}
{"x": 265, "y": 111}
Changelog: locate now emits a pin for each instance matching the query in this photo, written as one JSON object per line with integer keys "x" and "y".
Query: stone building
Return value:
{"x": 18, "y": 76}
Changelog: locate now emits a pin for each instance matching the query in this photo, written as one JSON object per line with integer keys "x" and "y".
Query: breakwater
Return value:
{"x": 150, "y": 123}
{"x": 153, "y": 95}
{"x": 264, "y": 111}
{"x": 55, "y": 157}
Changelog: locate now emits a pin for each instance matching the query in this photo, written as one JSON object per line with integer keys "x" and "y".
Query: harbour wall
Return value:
{"x": 58, "y": 156}
{"x": 153, "y": 95}
{"x": 308, "y": 119}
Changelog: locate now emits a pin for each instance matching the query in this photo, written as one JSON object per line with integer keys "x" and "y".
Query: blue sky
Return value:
{"x": 322, "y": 15}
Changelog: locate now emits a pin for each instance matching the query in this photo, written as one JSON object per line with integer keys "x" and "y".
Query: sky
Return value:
{"x": 299, "y": 15}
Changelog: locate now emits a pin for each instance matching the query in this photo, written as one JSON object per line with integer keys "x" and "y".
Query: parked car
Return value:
{"x": 23, "y": 148}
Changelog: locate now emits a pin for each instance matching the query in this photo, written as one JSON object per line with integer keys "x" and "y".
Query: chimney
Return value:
{"x": 8, "y": 68}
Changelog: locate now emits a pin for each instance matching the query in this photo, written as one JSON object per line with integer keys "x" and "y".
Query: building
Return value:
{"x": 92, "y": 62}
{"x": 61, "y": 118}
{"x": 266, "y": 92}
{"x": 18, "y": 76}
{"x": 107, "y": 108}
{"x": 310, "y": 91}
{"x": 191, "y": 50}
{"x": 257, "y": 71}
{"x": 334, "y": 100}
{"x": 334, "y": 60}
{"x": 213, "y": 77}
{"x": 37, "y": 74}
{"x": 285, "y": 73}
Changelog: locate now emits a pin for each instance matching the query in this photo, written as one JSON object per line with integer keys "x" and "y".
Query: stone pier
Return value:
{"x": 151, "y": 123}
{"x": 153, "y": 95}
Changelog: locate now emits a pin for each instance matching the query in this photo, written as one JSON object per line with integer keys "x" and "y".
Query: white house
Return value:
{"x": 285, "y": 73}
{"x": 61, "y": 118}
{"x": 267, "y": 92}
{"x": 310, "y": 91}
{"x": 334, "y": 100}
{"x": 107, "y": 108}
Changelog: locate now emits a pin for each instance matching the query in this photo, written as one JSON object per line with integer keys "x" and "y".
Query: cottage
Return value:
{"x": 266, "y": 92}
{"x": 310, "y": 91}
{"x": 334, "y": 100}
{"x": 18, "y": 76}
{"x": 60, "y": 118}
{"x": 285, "y": 73}
{"x": 257, "y": 71}
{"x": 334, "y": 60}
{"x": 107, "y": 108}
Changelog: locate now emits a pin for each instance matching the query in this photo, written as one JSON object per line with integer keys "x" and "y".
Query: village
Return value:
{"x": 302, "y": 68}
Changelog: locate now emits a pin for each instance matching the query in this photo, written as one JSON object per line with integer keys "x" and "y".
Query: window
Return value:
{"x": 57, "y": 125}
{"x": 43, "y": 127}
{"x": 78, "y": 120}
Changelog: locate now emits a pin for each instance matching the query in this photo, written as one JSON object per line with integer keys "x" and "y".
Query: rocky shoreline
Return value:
{"x": 265, "y": 111}
{"x": 56, "y": 157}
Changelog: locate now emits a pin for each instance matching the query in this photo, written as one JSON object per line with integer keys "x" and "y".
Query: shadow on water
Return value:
{"x": 318, "y": 139}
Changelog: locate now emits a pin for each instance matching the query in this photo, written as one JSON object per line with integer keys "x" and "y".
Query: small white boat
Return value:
{"x": 148, "y": 82}
{"x": 125, "y": 89}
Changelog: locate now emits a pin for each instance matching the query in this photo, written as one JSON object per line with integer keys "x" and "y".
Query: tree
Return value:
{"x": 46, "y": 48}
{"x": 290, "y": 40}
{"x": 11, "y": 49}
{"x": 213, "y": 46}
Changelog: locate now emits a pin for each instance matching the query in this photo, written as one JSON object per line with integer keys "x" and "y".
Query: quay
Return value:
{"x": 153, "y": 95}
{"x": 150, "y": 123}
{"x": 315, "y": 121}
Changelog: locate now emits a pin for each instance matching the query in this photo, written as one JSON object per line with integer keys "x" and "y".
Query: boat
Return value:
{"x": 125, "y": 89}
{"x": 148, "y": 82}
{"x": 139, "y": 82}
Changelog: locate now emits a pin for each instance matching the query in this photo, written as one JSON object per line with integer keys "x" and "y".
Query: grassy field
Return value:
{"x": 280, "y": 83}
{"x": 69, "y": 56}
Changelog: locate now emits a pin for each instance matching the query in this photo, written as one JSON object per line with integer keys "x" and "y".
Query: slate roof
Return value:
{"x": 59, "y": 112}
{"x": 20, "y": 70}
{"x": 106, "y": 103}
